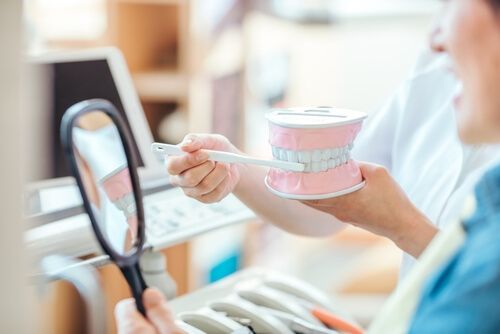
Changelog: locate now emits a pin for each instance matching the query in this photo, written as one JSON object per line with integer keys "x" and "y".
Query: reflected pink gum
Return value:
{"x": 331, "y": 181}
{"x": 118, "y": 185}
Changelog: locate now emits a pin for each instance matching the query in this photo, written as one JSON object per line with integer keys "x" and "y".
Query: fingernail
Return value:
{"x": 187, "y": 141}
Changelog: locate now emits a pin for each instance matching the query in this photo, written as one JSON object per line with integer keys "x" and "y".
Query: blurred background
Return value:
{"x": 219, "y": 66}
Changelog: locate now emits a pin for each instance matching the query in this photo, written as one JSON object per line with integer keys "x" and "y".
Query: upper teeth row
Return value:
{"x": 312, "y": 155}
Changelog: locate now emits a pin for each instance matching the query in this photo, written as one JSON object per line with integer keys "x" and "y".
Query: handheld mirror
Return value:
{"x": 97, "y": 144}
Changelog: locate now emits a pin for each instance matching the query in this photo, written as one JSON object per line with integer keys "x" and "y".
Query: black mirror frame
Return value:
{"x": 67, "y": 125}
{"x": 128, "y": 263}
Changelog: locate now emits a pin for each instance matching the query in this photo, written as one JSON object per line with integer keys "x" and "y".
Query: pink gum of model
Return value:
{"x": 119, "y": 186}
{"x": 301, "y": 139}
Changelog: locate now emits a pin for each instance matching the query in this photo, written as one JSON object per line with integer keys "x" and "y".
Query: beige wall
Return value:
{"x": 355, "y": 63}
{"x": 14, "y": 314}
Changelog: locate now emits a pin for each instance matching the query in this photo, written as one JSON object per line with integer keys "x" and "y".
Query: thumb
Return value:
{"x": 128, "y": 320}
{"x": 195, "y": 142}
{"x": 158, "y": 312}
{"x": 373, "y": 173}
{"x": 367, "y": 169}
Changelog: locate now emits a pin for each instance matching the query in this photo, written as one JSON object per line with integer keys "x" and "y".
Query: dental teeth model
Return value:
{"x": 321, "y": 138}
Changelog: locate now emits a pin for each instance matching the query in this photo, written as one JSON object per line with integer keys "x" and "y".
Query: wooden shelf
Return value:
{"x": 163, "y": 85}
{"x": 147, "y": 33}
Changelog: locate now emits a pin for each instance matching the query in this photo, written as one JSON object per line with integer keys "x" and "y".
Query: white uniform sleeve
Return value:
{"x": 375, "y": 141}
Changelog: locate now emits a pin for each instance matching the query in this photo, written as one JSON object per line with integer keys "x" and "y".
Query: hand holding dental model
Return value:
{"x": 330, "y": 185}
{"x": 381, "y": 207}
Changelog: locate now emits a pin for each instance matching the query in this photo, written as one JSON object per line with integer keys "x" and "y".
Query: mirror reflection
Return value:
{"x": 103, "y": 166}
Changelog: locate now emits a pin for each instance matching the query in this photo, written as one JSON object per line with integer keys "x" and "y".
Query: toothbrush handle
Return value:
{"x": 167, "y": 149}
{"x": 235, "y": 158}
{"x": 228, "y": 157}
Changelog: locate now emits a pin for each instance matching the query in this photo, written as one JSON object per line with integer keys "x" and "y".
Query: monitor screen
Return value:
{"x": 62, "y": 85}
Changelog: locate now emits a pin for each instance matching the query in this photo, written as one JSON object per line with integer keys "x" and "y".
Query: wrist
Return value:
{"x": 242, "y": 182}
{"x": 415, "y": 235}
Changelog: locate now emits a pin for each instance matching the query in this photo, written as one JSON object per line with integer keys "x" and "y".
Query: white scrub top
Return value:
{"x": 415, "y": 137}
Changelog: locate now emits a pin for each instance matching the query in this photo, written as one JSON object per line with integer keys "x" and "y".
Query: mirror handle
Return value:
{"x": 137, "y": 284}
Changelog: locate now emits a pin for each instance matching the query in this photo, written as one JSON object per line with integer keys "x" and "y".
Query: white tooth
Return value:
{"x": 344, "y": 159}
{"x": 308, "y": 156}
{"x": 331, "y": 163}
{"x": 316, "y": 155}
{"x": 316, "y": 166}
{"x": 283, "y": 154}
{"x": 324, "y": 165}
{"x": 351, "y": 145}
{"x": 275, "y": 152}
{"x": 335, "y": 152}
{"x": 326, "y": 154}
{"x": 292, "y": 156}
{"x": 307, "y": 168}
{"x": 304, "y": 156}
{"x": 338, "y": 161}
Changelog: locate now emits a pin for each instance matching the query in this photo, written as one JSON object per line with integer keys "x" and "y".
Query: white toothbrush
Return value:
{"x": 174, "y": 150}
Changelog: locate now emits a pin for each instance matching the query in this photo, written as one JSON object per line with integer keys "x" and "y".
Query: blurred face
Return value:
{"x": 469, "y": 31}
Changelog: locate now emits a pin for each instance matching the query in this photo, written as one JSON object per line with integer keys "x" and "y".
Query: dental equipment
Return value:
{"x": 296, "y": 324}
{"x": 236, "y": 307}
{"x": 334, "y": 321}
{"x": 187, "y": 328}
{"x": 329, "y": 319}
{"x": 313, "y": 300}
{"x": 210, "y": 321}
{"x": 264, "y": 296}
{"x": 295, "y": 299}
{"x": 85, "y": 279}
{"x": 321, "y": 138}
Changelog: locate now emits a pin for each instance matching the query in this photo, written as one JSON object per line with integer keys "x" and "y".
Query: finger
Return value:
{"x": 193, "y": 142}
{"x": 192, "y": 177}
{"x": 319, "y": 203}
{"x": 158, "y": 312}
{"x": 311, "y": 202}
{"x": 129, "y": 320}
{"x": 369, "y": 170}
{"x": 210, "y": 182}
{"x": 178, "y": 165}
{"x": 365, "y": 165}
{"x": 322, "y": 208}
{"x": 217, "y": 194}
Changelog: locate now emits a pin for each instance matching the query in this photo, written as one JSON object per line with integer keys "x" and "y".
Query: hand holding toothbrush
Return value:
{"x": 200, "y": 178}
